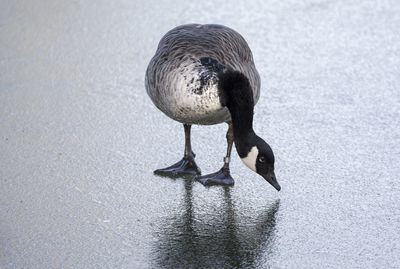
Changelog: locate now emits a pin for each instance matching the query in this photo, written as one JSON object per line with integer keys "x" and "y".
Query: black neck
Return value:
{"x": 243, "y": 133}
{"x": 238, "y": 98}
{"x": 242, "y": 119}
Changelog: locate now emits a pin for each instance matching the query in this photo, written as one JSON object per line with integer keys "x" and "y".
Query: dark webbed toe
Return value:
{"x": 186, "y": 166}
{"x": 222, "y": 177}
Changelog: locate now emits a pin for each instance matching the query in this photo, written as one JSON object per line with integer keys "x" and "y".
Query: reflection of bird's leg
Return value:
{"x": 223, "y": 176}
{"x": 187, "y": 216}
{"x": 232, "y": 245}
{"x": 229, "y": 204}
{"x": 188, "y": 203}
{"x": 185, "y": 166}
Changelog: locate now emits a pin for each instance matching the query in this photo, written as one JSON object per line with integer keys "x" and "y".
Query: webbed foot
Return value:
{"x": 222, "y": 177}
{"x": 186, "y": 166}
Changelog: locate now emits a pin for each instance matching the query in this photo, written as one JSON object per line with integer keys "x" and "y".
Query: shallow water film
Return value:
{"x": 79, "y": 139}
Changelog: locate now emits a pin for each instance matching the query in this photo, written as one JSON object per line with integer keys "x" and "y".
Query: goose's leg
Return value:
{"x": 223, "y": 176}
{"x": 187, "y": 165}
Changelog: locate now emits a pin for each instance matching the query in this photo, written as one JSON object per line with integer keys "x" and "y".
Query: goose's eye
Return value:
{"x": 261, "y": 159}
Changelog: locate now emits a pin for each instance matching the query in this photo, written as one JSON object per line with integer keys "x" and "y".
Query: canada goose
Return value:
{"x": 205, "y": 74}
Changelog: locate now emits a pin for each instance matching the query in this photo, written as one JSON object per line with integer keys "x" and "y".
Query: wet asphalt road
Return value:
{"x": 79, "y": 139}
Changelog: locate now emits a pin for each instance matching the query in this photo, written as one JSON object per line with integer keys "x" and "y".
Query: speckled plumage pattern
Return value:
{"x": 182, "y": 77}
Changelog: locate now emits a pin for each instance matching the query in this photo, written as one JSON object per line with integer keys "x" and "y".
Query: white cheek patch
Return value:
{"x": 251, "y": 158}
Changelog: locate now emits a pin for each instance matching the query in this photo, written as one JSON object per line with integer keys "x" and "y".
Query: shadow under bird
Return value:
{"x": 205, "y": 74}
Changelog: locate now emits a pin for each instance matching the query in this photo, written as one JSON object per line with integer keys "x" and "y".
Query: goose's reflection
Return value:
{"x": 220, "y": 241}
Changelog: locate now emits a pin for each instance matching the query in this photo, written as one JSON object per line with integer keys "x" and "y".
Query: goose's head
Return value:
{"x": 260, "y": 159}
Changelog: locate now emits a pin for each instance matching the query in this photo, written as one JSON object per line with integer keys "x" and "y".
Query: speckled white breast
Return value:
{"x": 190, "y": 95}
{"x": 193, "y": 96}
